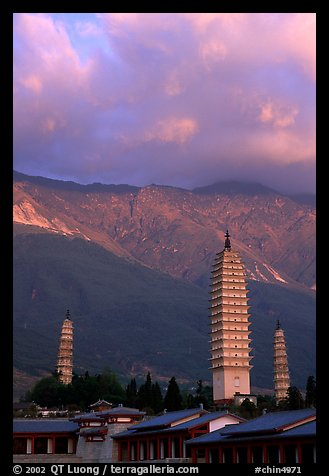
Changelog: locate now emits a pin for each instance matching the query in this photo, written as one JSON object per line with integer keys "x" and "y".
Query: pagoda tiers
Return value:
{"x": 65, "y": 352}
{"x": 229, "y": 333}
{"x": 281, "y": 370}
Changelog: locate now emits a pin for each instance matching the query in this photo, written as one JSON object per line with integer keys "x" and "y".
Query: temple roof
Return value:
{"x": 168, "y": 419}
{"x": 44, "y": 426}
{"x": 268, "y": 425}
{"x": 219, "y": 436}
{"x": 184, "y": 426}
{"x": 101, "y": 402}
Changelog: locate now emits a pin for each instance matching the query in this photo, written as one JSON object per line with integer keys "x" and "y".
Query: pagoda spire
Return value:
{"x": 227, "y": 241}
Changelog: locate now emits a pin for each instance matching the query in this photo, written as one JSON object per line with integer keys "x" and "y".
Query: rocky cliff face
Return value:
{"x": 179, "y": 231}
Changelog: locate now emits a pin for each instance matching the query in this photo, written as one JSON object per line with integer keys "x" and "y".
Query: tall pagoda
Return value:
{"x": 65, "y": 352}
{"x": 281, "y": 370}
{"x": 229, "y": 332}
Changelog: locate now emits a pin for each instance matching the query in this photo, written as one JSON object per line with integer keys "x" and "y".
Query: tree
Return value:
{"x": 46, "y": 392}
{"x": 173, "y": 398}
{"x": 109, "y": 387}
{"x": 248, "y": 409}
{"x": 188, "y": 400}
{"x": 157, "y": 399}
{"x": 310, "y": 397}
{"x": 266, "y": 403}
{"x": 203, "y": 396}
{"x": 145, "y": 397}
{"x": 294, "y": 399}
{"x": 131, "y": 393}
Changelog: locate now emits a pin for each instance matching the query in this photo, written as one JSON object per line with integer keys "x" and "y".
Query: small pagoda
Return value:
{"x": 65, "y": 352}
{"x": 281, "y": 370}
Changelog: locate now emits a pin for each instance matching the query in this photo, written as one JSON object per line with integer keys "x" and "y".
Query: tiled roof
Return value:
{"x": 212, "y": 437}
{"x": 86, "y": 417}
{"x": 44, "y": 426}
{"x": 124, "y": 433}
{"x": 120, "y": 411}
{"x": 201, "y": 420}
{"x": 270, "y": 422}
{"x": 307, "y": 429}
{"x": 167, "y": 419}
{"x": 149, "y": 430}
{"x": 100, "y": 402}
{"x": 98, "y": 416}
{"x": 100, "y": 430}
{"x": 262, "y": 428}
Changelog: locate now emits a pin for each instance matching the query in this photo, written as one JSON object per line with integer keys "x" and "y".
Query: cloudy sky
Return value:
{"x": 184, "y": 99}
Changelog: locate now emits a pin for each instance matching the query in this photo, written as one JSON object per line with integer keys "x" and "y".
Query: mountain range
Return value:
{"x": 133, "y": 265}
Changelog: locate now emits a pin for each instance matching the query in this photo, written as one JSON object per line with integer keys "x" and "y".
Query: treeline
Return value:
{"x": 84, "y": 390}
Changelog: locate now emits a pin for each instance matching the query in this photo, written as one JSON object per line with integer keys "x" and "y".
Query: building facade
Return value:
{"x": 95, "y": 443}
{"x": 163, "y": 438}
{"x": 45, "y": 440}
{"x": 230, "y": 342}
{"x": 287, "y": 437}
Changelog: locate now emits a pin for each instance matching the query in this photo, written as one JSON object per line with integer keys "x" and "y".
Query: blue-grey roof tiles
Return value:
{"x": 120, "y": 411}
{"x": 268, "y": 425}
{"x": 44, "y": 426}
{"x": 156, "y": 429}
{"x": 167, "y": 419}
{"x": 198, "y": 421}
{"x": 270, "y": 422}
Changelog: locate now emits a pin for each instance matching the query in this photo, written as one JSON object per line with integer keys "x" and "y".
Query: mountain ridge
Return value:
{"x": 225, "y": 186}
{"x": 153, "y": 223}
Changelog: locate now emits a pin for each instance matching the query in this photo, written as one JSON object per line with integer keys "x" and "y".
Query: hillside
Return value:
{"x": 133, "y": 266}
{"x": 134, "y": 319}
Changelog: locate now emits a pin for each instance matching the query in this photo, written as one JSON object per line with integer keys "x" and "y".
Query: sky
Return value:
{"x": 182, "y": 99}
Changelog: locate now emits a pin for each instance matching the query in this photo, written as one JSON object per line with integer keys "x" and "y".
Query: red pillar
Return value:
{"x": 138, "y": 450}
{"x": 128, "y": 451}
{"x": 158, "y": 448}
{"x": 207, "y": 455}
{"x": 119, "y": 451}
{"x": 147, "y": 448}
{"x": 169, "y": 448}
{"x": 265, "y": 454}
{"x": 281, "y": 454}
{"x": 220, "y": 454}
{"x": 249, "y": 454}
{"x": 180, "y": 446}
{"x": 234, "y": 454}
{"x": 32, "y": 446}
{"x": 299, "y": 453}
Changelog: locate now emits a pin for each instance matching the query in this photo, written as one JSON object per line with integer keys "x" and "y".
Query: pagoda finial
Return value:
{"x": 278, "y": 324}
{"x": 227, "y": 241}
{"x": 68, "y": 314}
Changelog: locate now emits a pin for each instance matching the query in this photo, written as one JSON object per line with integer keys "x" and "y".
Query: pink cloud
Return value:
{"x": 173, "y": 130}
{"x": 230, "y": 88}
{"x": 277, "y": 116}
{"x": 32, "y": 82}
